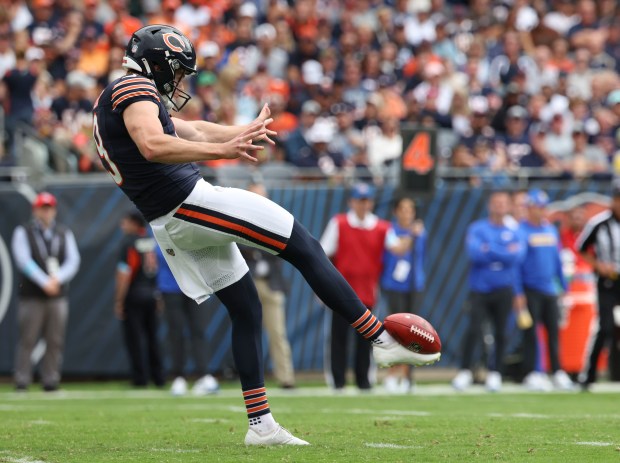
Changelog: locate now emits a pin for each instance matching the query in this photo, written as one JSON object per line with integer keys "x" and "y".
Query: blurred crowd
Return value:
{"x": 512, "y": 84}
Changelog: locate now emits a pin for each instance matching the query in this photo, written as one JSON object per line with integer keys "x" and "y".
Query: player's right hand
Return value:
{"x": 242, "y": 145}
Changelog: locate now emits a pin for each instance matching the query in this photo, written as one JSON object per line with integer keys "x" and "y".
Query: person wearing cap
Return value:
{"x": 515, "y": 145}
{"x": 494, "y": 249}
{"x": 319, "y": 157}
{"x": 136, "y": 300}
{"x": 536, "y": 286}
{"x": 598, "y": 244}
{"x": 297, "y": 140}
{"x": 267, "y": 53}
{"x": 47, "y": 258}
{"x": 355, "y": 241}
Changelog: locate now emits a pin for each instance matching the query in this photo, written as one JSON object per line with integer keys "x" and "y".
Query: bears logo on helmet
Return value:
{"x": 157, "y": 52}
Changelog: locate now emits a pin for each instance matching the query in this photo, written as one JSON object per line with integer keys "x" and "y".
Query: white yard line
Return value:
{"x": 420, "y": 391}
{"x": 595, "y": 444}
{"x": 11, "y": 459}
{"x": 176, "y": 450}
{"x": 380, "y": 445}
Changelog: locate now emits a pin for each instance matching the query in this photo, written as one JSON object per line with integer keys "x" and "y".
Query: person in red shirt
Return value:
{"x": 355, "y": 241}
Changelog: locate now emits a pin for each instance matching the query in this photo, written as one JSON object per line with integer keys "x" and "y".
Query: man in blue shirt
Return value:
{"x": 537, "y": 281}
{"x": 494, "y": 250}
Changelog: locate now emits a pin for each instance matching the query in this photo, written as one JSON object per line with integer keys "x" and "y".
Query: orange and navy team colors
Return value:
{"x": 231, "y": 225}
{"x": 367, "y": 325}
{"x": 155, "y": 188}
{"x": 256, "y": 402}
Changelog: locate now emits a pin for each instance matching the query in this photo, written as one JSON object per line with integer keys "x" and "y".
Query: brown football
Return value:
{"x": 413, "y": 332}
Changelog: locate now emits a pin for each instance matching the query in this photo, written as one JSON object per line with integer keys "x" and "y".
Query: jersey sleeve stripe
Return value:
{"x": 130, "y": 88}
{"x": 140, "y": 79}
{"x": 131, "y": 95}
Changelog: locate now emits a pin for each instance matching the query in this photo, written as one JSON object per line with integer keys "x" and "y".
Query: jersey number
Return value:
{"x": 103, "y": 154}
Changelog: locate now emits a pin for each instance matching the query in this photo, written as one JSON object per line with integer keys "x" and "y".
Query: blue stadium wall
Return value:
{"x": 94, "y": 346}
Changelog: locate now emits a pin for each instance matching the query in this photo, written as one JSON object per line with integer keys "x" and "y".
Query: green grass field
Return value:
{"x": 90, "y": 423}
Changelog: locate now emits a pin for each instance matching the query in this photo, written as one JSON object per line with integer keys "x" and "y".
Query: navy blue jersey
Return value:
{"x": 154, "y": 188}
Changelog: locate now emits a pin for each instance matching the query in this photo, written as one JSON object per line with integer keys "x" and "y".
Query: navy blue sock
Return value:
{"x": 305, "y": 253}
{"x": 241, "y": 301}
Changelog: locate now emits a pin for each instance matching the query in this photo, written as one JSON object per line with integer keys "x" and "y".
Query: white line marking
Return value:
{"x": 39, "y": 421}
{"x": 176, "y": 450}
{"x": 379, "y": 445}
{"x": 595, "y": 444}
{"x": 10, "y": 459}
{"x": 518, "y": 415}
{"x": 361, "y": 411}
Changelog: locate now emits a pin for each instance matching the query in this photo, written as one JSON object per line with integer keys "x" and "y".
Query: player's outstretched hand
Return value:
{"x": 242, "y": 145}
{"x": 266, "y": 119}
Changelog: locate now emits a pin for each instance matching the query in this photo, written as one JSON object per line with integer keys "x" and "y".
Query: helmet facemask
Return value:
{"x": 168, "y": 83}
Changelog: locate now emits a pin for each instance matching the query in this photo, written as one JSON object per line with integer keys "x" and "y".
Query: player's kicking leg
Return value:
{"x": 305, "y": 253}
{"x": 241, "y": 301}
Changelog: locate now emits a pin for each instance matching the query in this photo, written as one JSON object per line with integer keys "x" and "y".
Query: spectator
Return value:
{"x": 586, "y": 160}
{"x": 47, "y": 257}
{"x": 355, "y": 242}
{"x": 347, "y": 139}
{"x": 7, "y": 53}
{"x": 557, "y": 141}
{"x": 267, "y": 53}
{"x": 385, "y": 150}
{"x": 432, "y": 93}
{"x": 494, "y": 250}
{"x": 537, "y": 279}
{"x": 515, "y": 144}
{"x": 136, "y": 301}
{"x": 193, "y": 13}
{"x": 182, "y": 314}
{"x": 16, "y": 94}
{"x": 297, "y": 139}
{"x": 597, "y": 244}
{"x": 123, "y": 24}
{"x": 318, "y": 155}
{"x": 168, "y": 15}
{"x": 266, "y": 269}
{"x": 403, "y": 276}
{"x": 562, "y": 17}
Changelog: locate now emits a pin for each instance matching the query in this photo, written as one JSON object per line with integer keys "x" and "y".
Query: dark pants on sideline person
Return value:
{"x": 495, "y": 306}
{"x": 401, "y": 301}
{"x": 339, "y": 342}
{"x": 140, "y": 328}
{"x": 607, "y": 300}
{"x": 182, "y": 313}
{"x": 544, "y": 309}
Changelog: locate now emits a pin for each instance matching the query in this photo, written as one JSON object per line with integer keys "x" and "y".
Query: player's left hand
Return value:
{"x": 266, "y": 119}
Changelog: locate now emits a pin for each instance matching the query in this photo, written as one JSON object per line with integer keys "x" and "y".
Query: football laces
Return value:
{"x": 423, "y": 333}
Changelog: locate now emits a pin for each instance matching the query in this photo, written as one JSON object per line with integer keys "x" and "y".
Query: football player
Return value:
{"x": 150, "y": 156}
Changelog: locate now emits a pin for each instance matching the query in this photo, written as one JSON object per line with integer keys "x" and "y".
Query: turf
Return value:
{"x": 108, "y": 423}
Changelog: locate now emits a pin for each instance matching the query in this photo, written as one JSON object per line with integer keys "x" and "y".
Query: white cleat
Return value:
{"x": 537, "y": 382}
{"x": 205, "y": 386}
{"x": 494, "y": 381}
{"x": 278, "y": 436}
{"x": 179, "y": 386}
{"x": 562, "y": 381}
{"x": 463, "y": 380}
{"x": 395, "y": 354}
